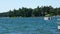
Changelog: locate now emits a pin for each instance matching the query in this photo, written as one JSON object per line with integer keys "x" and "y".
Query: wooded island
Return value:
{"x": 29, "y": 12}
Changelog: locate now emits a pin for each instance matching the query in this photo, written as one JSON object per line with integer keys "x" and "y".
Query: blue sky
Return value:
{"x": 6, "y": 5}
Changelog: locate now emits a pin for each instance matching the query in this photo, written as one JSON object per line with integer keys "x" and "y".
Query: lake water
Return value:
{"x": 29, "y": 25}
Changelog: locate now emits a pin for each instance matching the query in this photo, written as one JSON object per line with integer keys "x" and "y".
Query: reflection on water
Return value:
{"x": 32, "y": 25}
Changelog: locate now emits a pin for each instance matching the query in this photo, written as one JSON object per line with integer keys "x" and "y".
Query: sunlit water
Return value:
{"x": 31, "y": 25}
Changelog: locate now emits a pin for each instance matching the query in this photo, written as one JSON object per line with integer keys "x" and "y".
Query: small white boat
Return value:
{"x": 58, "y": 27}
{"x": 47, "y": 18}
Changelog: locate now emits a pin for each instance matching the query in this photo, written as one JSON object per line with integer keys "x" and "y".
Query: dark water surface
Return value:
{"x": 31, "y": 25}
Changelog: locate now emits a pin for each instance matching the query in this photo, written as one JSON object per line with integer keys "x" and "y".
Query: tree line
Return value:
{"x": 29, "y": 12}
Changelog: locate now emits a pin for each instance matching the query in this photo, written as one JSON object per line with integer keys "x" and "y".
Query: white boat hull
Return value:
{"x": 58, "y": 27}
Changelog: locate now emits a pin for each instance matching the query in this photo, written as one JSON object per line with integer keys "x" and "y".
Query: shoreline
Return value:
{"x": 28, "y": 17}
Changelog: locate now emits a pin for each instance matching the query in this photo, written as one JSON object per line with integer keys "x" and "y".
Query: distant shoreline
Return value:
{"x": 29, "y": 12}
{"x": 27, "y": 17}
